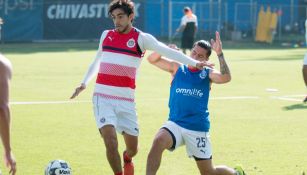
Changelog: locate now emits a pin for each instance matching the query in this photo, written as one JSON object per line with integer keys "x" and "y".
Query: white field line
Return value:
{"x": 47, "y": 102}
{"x": 284, "y": 97}
{"x": 144, "y": 99}
{"x": 235, "y": 98}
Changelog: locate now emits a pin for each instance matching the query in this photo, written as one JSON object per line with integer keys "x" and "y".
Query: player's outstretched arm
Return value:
{"x": 92, "y": 71}
{"x": 93, "y": 68}
{"x": 164, "y": 63}
{"x": 222, "y": 76}
{"x": 151, "y": 43}
{"x": 180, "y": 28}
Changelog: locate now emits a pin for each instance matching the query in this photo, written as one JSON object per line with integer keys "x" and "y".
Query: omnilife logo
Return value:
{"x": 190, "y": 92}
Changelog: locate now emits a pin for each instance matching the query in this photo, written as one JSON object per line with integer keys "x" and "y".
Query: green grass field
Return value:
{"x": 264, "y": 133}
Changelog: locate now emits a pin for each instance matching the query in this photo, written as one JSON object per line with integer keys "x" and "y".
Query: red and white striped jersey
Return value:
{"x": 118, "y": 59}
{"x": 121, "y": 59}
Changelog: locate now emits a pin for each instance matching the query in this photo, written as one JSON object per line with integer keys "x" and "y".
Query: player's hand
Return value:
{"x": 203, "y": 64}
{"x": 78, "y": 90}
{"x": 217, "y": 44}
{"x": 173, "y": 46}
{"x": 10, "y": 162}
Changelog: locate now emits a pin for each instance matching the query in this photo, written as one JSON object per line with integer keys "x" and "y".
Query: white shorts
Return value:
{"x": 120, "y": 114}
{"x": 305, "y": 59}
{"x": 197, "y": 143}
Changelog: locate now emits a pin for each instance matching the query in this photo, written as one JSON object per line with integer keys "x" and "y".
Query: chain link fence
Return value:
{"x": 240, "y": 22}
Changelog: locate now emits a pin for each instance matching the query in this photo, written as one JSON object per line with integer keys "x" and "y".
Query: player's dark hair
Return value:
{"x": 126, "y": 5}
{"x": 186, "y": 9}
{"x": 205, "y": 45}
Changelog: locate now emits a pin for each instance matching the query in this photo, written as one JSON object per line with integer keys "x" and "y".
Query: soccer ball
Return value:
{"x": 58, "y": 167}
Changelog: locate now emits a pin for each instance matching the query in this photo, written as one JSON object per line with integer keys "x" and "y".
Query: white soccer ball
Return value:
{"x": 58, "y": 167}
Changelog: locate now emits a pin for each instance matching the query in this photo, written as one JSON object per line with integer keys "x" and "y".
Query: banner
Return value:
{"x": 22, "y": 20}
{"x": 80, "y": 19}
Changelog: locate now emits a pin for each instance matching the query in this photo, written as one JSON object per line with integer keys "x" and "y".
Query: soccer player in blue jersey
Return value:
{"x": 188, "y": 122}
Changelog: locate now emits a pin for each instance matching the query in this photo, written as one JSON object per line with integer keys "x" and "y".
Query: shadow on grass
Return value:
{"x": 295, "y": 106}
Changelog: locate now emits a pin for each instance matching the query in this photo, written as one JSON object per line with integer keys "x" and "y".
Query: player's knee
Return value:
{"x": 132, "y": 151}
{"x": 207, "y": 172}
{"x": 160, "y": 143}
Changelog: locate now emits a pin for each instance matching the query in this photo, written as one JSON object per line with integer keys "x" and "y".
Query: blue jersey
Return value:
{"x": 189, "y": 95}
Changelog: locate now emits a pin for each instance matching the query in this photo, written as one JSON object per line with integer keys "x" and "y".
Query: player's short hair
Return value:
{"x": 126, "y": 5}
{"x": 205, "y": 45}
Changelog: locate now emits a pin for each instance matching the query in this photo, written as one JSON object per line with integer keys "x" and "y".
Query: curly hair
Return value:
{"x": 126, "y": 5}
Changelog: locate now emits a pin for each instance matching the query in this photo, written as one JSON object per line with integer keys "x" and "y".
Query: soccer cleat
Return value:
{"x": 305, "y": 100}
{"x": 128, "y": 165}
{"x": 239, "y": 170}
{"x": 128, "y": 168}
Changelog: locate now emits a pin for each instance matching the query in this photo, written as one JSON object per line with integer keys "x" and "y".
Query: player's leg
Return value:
{"x": 305, "y": 77}
{"x": 131, "y": 150}
{"x": 198, "y": 145}
{"x": 106, "y": 121}
{"x": 206, "y": 168}
{"x": 183, "y": 44}
{"x": 163, "y": 140}
{"x": 109, "y": 136}
{"x": 131, "y": 145}
{"x": 190, "y": 42}
{"x": 169, "y": 137}
{"x": 128, "y": 126}
{"x": 305, "y": 74}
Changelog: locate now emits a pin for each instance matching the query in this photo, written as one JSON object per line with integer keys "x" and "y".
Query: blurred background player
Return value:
{"x": 5, "y": 114}
{"x": 1, "y": 22}
{"x": 305, "y": 73}
{"x": 188, "y": 122}
{"x": 188, "y": 27}
{"x": 117, "y": 61}
{"x": 306, "y": 32}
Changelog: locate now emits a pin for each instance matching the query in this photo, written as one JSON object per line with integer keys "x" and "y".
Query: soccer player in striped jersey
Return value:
{"x": 117, "y": 61}
{"x": 5, "y": 114}
{"x": 188, "y": 122}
